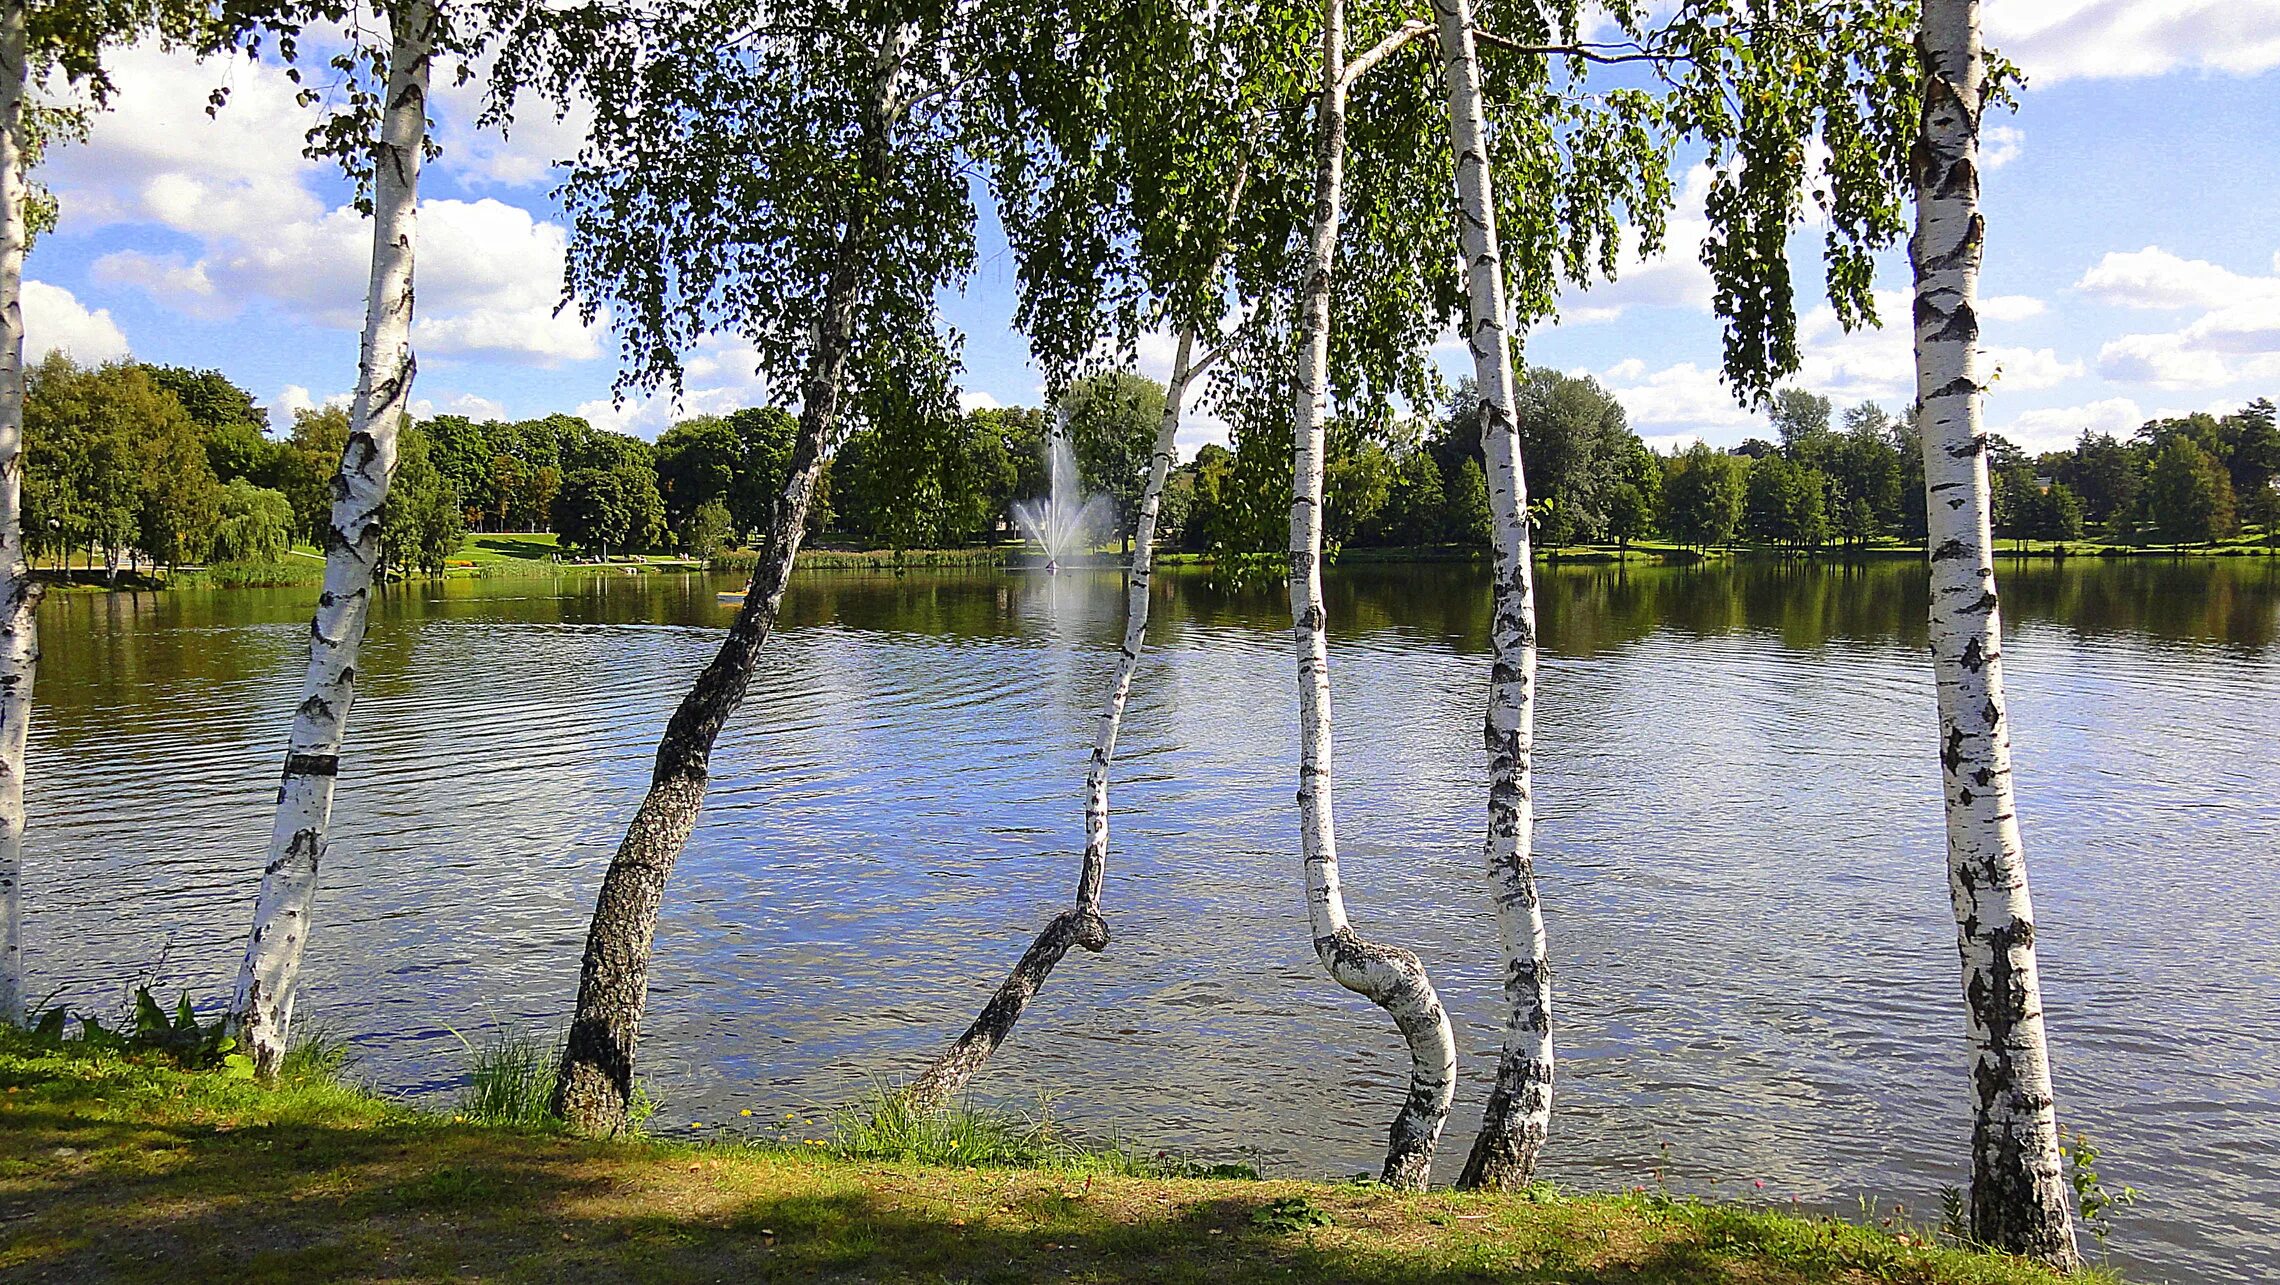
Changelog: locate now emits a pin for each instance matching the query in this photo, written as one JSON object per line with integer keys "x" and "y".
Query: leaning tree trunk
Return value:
{"x": 262, "y": 1010}
{"x": 1519, "y": 1111}
{"x": 1392, "y": 978}
{"x": 19, "y": 594}
{"x": 595, "y": 1083}
{"x": 1080, "y": 925}
{"x": 2018, "y": 1193}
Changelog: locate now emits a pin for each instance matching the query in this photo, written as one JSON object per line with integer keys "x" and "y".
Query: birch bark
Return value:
{"x": 1519, "y": 1111}
{"x": 262, "y": 1009}
{"x": 19, "y": 595}
{"x": 1390, "y": 977}
{"x": 1082, "y": 925}
{"x": 2019, "y": 1199}
{"x": 595, "y": 1084}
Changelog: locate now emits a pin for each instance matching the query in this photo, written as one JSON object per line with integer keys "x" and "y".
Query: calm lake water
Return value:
{"x": 1739, "y": 828}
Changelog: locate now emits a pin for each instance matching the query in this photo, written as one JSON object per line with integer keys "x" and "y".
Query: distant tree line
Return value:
{"x": 167, "y": 465}
{"x": 171, "y": 466}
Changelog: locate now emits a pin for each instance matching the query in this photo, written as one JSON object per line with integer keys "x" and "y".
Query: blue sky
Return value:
{"x": 2133, "y": 263}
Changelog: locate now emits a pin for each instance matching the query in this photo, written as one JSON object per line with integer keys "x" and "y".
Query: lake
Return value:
{"x": 1739, "y": 829}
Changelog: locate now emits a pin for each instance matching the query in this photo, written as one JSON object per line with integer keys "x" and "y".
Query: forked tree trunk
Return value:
{"x": 262, "y": 1009}
{"x": 595, "y": 1083}
{"x": 1392, "y": 978}
{"x": 2019, "y": 1199}
{"x": 1519, "y": 1109}
{"x": 1081, "y": 925}
{"x": 19, "y": 594}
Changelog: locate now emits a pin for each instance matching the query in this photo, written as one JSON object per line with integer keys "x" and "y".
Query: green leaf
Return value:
{"x": 237, "y": 1066}
{"x": 150, "y": 1019}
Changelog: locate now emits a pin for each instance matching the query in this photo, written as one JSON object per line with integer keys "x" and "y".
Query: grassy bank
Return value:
{"x": 115, "y": 1170}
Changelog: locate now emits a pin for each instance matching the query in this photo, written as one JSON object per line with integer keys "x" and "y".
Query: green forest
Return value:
{"x": 168, "y": 466}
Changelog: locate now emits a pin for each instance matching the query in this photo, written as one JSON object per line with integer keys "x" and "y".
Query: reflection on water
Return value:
{"x": 1739, "y": 833}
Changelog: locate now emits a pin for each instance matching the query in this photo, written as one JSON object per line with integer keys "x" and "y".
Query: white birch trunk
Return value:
{"x": 2019, "y": 1200}
{"x": 947, "y": 1076}
{"x": 262, "y": 1007}
{"x": 1519, "y": 1111}
{"x": 19, "y": 595}
{"x": 1392, "y": 978}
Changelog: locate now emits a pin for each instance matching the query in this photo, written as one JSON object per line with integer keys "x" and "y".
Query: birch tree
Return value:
{"x": 2019, "y": 1199}
{"x": 1390, "y": 977}
{"x": 67, "y": 41}
{"x": 1118, "y": 214}
{"x": 790, "y": 178}
{"x": 19, "y": 594}
{"x": 261, "y": 1011}
{"x": 1757, "y": 85}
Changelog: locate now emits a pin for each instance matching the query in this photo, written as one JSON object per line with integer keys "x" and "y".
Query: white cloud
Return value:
{"x": 156, "y": 156}
{"x": 2010, "y": 307}
{"x": 720, "y": 376}
{"x": 292, "y": 399}
{"x": 2155, "y": 278}
{"x": 2189, "y": 359}
{"x": 971, "y": 400}
{"x": 185, "y": 286}
{"x": 2056, "y": 427}
{"x": 1673, "y": 277}
{"x": 489, "y": 273}
{"x": 525, "y": 156}
{"x": 1684, "y": 395}
{"x": 2025, "y": 369}
{"x": 2056, "y": 40}
{"x": 472, "y": 405}
{"x": 1999, "y": 145}
{"x": 2235, "y": 339}
{"x": 55, "y": 321}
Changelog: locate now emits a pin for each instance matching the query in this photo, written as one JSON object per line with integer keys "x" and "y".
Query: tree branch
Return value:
{"x": 1598, "y": 53}
{"x": 1407, "y": 32}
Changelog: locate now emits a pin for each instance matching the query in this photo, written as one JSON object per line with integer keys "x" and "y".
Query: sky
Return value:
{"x": 2132, "y": 264}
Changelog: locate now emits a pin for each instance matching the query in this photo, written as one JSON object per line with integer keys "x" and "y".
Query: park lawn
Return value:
{"x": 111, "y": 1169}
{"x": 533, "y": 546}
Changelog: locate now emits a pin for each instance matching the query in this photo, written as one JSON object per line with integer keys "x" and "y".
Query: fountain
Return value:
{"x": 1066, "y": 520}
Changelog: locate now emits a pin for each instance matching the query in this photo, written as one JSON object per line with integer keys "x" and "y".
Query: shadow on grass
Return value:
{"x": 93, "y": 1199}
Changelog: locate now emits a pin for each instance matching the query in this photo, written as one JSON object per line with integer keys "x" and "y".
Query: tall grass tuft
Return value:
{"x": 511, "y": 1080}
{"x": 317, "y": 1055}
{"x": 884, "y": 1126}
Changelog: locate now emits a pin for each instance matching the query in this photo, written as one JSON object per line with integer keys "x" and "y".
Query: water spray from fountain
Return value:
{"x": 1065, "y": 521}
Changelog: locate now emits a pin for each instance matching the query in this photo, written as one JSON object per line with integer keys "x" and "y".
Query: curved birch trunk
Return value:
{"x": 19, "y": 594}
{"x": 595, "y": 1082}
{"x": 2019, "y": 1199}
{"x": 262, "y": 1010}
{"x": 1392, "y": 978}
{"x": 1519, "y": 1111}
{"x": 1082, "y": 925}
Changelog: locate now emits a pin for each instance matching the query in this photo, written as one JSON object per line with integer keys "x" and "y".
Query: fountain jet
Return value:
{"x": 1063, "y": 522}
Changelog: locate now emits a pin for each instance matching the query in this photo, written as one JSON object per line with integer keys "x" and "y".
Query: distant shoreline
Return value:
{"x": 303, "y": 569}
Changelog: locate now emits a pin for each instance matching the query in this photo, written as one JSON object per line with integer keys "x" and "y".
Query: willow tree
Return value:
{"x": 2019, "y": 1197}
{"x": 790, "y": 179}
{"x": 379, "y": 130}
{"x": 64, "y": 45}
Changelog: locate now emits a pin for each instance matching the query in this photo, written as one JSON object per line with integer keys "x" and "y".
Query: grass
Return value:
{"x": 511, "y": 1081}
{"x": 812, "y": 558}
{"x": 117, "y": 1170}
